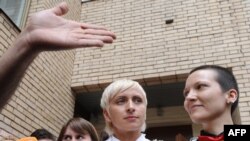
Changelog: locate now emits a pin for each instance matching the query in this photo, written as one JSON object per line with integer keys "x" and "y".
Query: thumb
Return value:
{"x": 61, "y": 9}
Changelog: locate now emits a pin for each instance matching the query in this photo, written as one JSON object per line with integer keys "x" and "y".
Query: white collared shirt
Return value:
{"x": 141, "y": 138}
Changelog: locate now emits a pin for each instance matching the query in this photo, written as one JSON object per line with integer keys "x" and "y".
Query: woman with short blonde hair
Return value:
{"x": 124, "y": 105}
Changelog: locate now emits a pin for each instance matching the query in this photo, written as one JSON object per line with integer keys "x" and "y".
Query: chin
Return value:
{"x": 133, "y": 129}
{"x": 196, "y": 119}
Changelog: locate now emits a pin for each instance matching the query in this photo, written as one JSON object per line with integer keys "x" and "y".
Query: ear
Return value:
{"x": 231, "y": 96}
{"x": 106, "y": 116}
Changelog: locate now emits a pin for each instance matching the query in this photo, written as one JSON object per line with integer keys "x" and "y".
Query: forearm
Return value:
{"x": 12, "y": 67}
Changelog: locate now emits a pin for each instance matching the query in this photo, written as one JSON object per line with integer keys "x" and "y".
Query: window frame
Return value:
{"x": 86, "y": 1}
{"x": 22, "y": 14}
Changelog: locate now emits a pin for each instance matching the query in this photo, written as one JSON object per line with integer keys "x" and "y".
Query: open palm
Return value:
{"x": 49, "y": 31}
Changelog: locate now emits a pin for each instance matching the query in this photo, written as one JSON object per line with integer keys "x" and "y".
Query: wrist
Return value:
{"x": 22, "y": 48}
{"x": 24, "y": 45}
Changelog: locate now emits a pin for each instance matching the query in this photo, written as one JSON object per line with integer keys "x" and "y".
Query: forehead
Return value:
{"x": 130, "y": 92}
{"x": 205, "y": 75}
{"x": 69, "y": 130}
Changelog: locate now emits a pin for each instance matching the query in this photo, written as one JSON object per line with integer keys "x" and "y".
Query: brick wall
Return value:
{"x": 147, "y": 49}
{"x": 44, "y": 98}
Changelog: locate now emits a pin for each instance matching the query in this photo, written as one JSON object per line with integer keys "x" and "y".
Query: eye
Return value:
{"x": 200, "y": 86}
{"x": 120, "y": 101}
{"x": 137, "y": 100}
{"x": 80, "y": 137}
{"x": 185, "y": 93}
{"x": 67, "y": 138}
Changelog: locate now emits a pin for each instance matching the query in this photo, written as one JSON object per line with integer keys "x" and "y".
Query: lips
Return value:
{"x": 131, "y": 117}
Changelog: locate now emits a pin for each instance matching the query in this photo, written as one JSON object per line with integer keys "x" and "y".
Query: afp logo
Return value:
{"x": 236, "y": 132}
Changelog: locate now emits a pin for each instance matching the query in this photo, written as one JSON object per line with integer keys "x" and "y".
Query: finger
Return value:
{"x": 105, "y": 39}
{"x": 94, "y": 29}
{"x": 100, "y": 33}
{"x": 90, "y": 43}
{"x": 92, "y": 26}
{"x": 60, "y": 9}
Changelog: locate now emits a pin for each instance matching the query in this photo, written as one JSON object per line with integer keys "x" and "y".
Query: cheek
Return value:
{"x": 213, "y": 99}
{"x": 116, "y": 111}
{"x": 143, "y": 111}
{"x": 185, "y": 103}
{"x": 219, "y": 102}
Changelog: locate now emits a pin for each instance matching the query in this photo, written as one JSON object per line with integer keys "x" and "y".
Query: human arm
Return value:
{"x": 46, "y": 31}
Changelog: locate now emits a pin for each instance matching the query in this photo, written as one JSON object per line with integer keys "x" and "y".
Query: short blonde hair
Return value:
{"x": 115, "y": 88}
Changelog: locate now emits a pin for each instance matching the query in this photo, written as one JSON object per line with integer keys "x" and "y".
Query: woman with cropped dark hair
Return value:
{"x": 211, "y": 96}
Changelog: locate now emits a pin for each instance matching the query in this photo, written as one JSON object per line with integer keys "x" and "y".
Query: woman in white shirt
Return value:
{"x": 124, "y": 105}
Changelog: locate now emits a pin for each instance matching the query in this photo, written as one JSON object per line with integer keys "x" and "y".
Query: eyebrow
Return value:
{"x": 64, "y": 136}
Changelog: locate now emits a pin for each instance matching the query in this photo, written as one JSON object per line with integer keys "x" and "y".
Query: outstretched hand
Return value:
{"x": 47, "y": 30}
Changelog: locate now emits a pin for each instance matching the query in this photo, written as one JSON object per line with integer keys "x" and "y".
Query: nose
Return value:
{"x": 130, "y": 106}
{"x": 191, "y": 96}
{"x": 74, "y": 139}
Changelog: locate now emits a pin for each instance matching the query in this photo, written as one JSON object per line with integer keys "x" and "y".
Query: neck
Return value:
{"x": 127, "y": 136}
{"x": 216, "y": 125}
